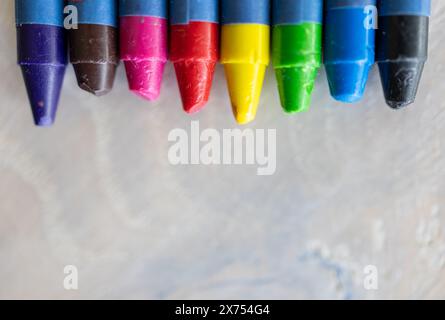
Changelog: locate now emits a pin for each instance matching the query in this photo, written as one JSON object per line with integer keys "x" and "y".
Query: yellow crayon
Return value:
{"x": 245, "y": 55}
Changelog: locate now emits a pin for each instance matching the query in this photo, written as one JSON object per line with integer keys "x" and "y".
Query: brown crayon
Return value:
{"x": 94, "y": 45}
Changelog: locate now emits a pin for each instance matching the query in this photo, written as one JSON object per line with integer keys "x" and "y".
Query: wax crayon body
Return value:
{"x": 143, "y": 44}
{"x": 245, "y": 53}
{"x": 94, "y": 45}
{"x": 194, "y": 49}
{"x": 296, "y": 50}
{"x": 42, "y": 55}
{"x": 349, "y": 48}
{"x": 402, "y": 48}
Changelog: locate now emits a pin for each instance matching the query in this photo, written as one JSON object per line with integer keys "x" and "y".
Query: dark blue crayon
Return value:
{"x": 349, "y": 48}
{"x": 402, "y": 48}
{"x": 42, "y": 55}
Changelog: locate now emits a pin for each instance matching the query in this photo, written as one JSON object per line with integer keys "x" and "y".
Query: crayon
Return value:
{"x": 349, "y": 48}
{"x": 42, "y": 55}
{"x": 296, "y": 50}
{"x": 245, "y": 53}
{"x": 402, "y": 48}
{"x": 194, "y": 49}
{"x": 94, "y": 45}
{"x": 143, "y": 44}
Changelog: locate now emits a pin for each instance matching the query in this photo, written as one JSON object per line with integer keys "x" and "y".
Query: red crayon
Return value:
{"x": 194, "y": 49}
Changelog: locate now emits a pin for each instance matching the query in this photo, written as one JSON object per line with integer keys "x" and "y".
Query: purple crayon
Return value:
{"x": 42, "y": 54}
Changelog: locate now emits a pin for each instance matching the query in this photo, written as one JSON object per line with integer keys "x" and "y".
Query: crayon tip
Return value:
{"x": 195, "y": 79}
{"x": 347, "y": 81}
{"x": 295, "y": 85}
{"x": 145, "y": 77}
{"x": 95, "y": 78}
{"x": 43, "y": 83}
{"x": 245, "y": 82}
{"x": 400, "y": 82}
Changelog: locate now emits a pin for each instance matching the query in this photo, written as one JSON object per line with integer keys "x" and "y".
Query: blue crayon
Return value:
{"x": 402, "y": 48}
{"x": 349, "y": 46}
{"x": 42, "y": 55}
{"x": 94, "y": 45}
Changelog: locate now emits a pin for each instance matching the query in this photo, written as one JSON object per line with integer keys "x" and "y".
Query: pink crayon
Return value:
{"x": 143, "y": 44}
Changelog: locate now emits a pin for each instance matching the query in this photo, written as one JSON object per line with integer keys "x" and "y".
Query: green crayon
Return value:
{"x": 297, "y": 50}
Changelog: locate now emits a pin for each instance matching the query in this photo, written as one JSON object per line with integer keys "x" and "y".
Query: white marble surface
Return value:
{"x": 355, "y": 186}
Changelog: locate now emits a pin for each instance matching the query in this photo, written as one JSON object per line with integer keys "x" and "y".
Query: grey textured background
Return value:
{"x": 355, "y": 185}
